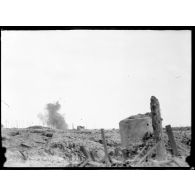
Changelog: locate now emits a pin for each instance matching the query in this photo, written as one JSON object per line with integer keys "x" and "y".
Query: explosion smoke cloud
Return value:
{"x": 53, "y": 118}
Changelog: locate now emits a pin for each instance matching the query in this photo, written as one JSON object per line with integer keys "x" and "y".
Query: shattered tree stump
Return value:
{"x": 172, "y": 140}
{"x": 107, "y": 157}
{"x": 157, "y": 127}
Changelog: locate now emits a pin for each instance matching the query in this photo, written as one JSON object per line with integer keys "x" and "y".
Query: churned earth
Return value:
{"x": 46, "y": 147}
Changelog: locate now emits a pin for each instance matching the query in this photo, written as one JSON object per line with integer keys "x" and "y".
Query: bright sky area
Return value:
{"x": 99, "y": 77}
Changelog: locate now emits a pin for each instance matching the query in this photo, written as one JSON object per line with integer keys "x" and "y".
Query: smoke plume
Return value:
{"x": 53, "y": 118}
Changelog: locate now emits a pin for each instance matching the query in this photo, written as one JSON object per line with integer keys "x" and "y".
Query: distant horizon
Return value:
{"x": 188, "y": 126}
{"x": 75, "y": 126}
{"x": 99, "y": 77}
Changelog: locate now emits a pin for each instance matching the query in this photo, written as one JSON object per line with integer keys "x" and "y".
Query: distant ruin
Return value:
{"x": 80, "y": 128}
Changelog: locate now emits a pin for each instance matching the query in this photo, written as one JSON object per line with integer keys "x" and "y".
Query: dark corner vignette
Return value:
{"x": 189, "y": 159}
{"x": 2, "y": 149}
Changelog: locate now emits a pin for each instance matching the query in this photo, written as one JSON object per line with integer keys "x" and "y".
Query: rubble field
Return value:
{"x": 45, "y": 147}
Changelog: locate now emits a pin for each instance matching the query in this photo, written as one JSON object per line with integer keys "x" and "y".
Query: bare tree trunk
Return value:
{"x": 157, "y": 126}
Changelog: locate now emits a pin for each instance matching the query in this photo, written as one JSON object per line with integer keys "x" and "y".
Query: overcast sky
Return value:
{"x": 99, "y": 77}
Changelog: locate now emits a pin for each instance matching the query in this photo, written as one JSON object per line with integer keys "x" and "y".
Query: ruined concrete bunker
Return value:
{"x": 133, "y": 128}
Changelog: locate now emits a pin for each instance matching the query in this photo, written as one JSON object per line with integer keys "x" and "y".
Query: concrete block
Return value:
{"x": 134, "y": 128}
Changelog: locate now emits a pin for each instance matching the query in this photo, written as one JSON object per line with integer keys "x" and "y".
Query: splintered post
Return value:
{"x": 172, "y": 140}
{"x": 105, "y": 147}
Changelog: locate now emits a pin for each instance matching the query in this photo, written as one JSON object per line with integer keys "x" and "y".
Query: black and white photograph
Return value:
{"x": 96, "y": 98}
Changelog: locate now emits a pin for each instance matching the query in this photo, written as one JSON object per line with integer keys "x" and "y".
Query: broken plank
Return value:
{"x": 139, "y": 155}
{"x": 147, "y": 154}
{"x": 23, "y": 155}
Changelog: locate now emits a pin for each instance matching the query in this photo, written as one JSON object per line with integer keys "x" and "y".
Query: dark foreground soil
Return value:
{"x": 44, "y": 147}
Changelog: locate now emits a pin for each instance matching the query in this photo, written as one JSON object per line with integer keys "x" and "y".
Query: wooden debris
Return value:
{"x": 147, "y": 154}
{"x": 92, "y": 155}
{"x": 89, "y": 157}
{"x": 172, "y": 140}
{"x": 39, "y": 142}
{"x": 23, "y": 155}
{"x": 139, "y": 155}
{"x": 107, "y": 157}
{"x": 176, "y": 162}
{"x": 157, "y": 126}
{"x": 182, "y": 147}
{"x": 84, "y": 163}
{"x": 24, "y": 145}
{"x": 85, "y": 152}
